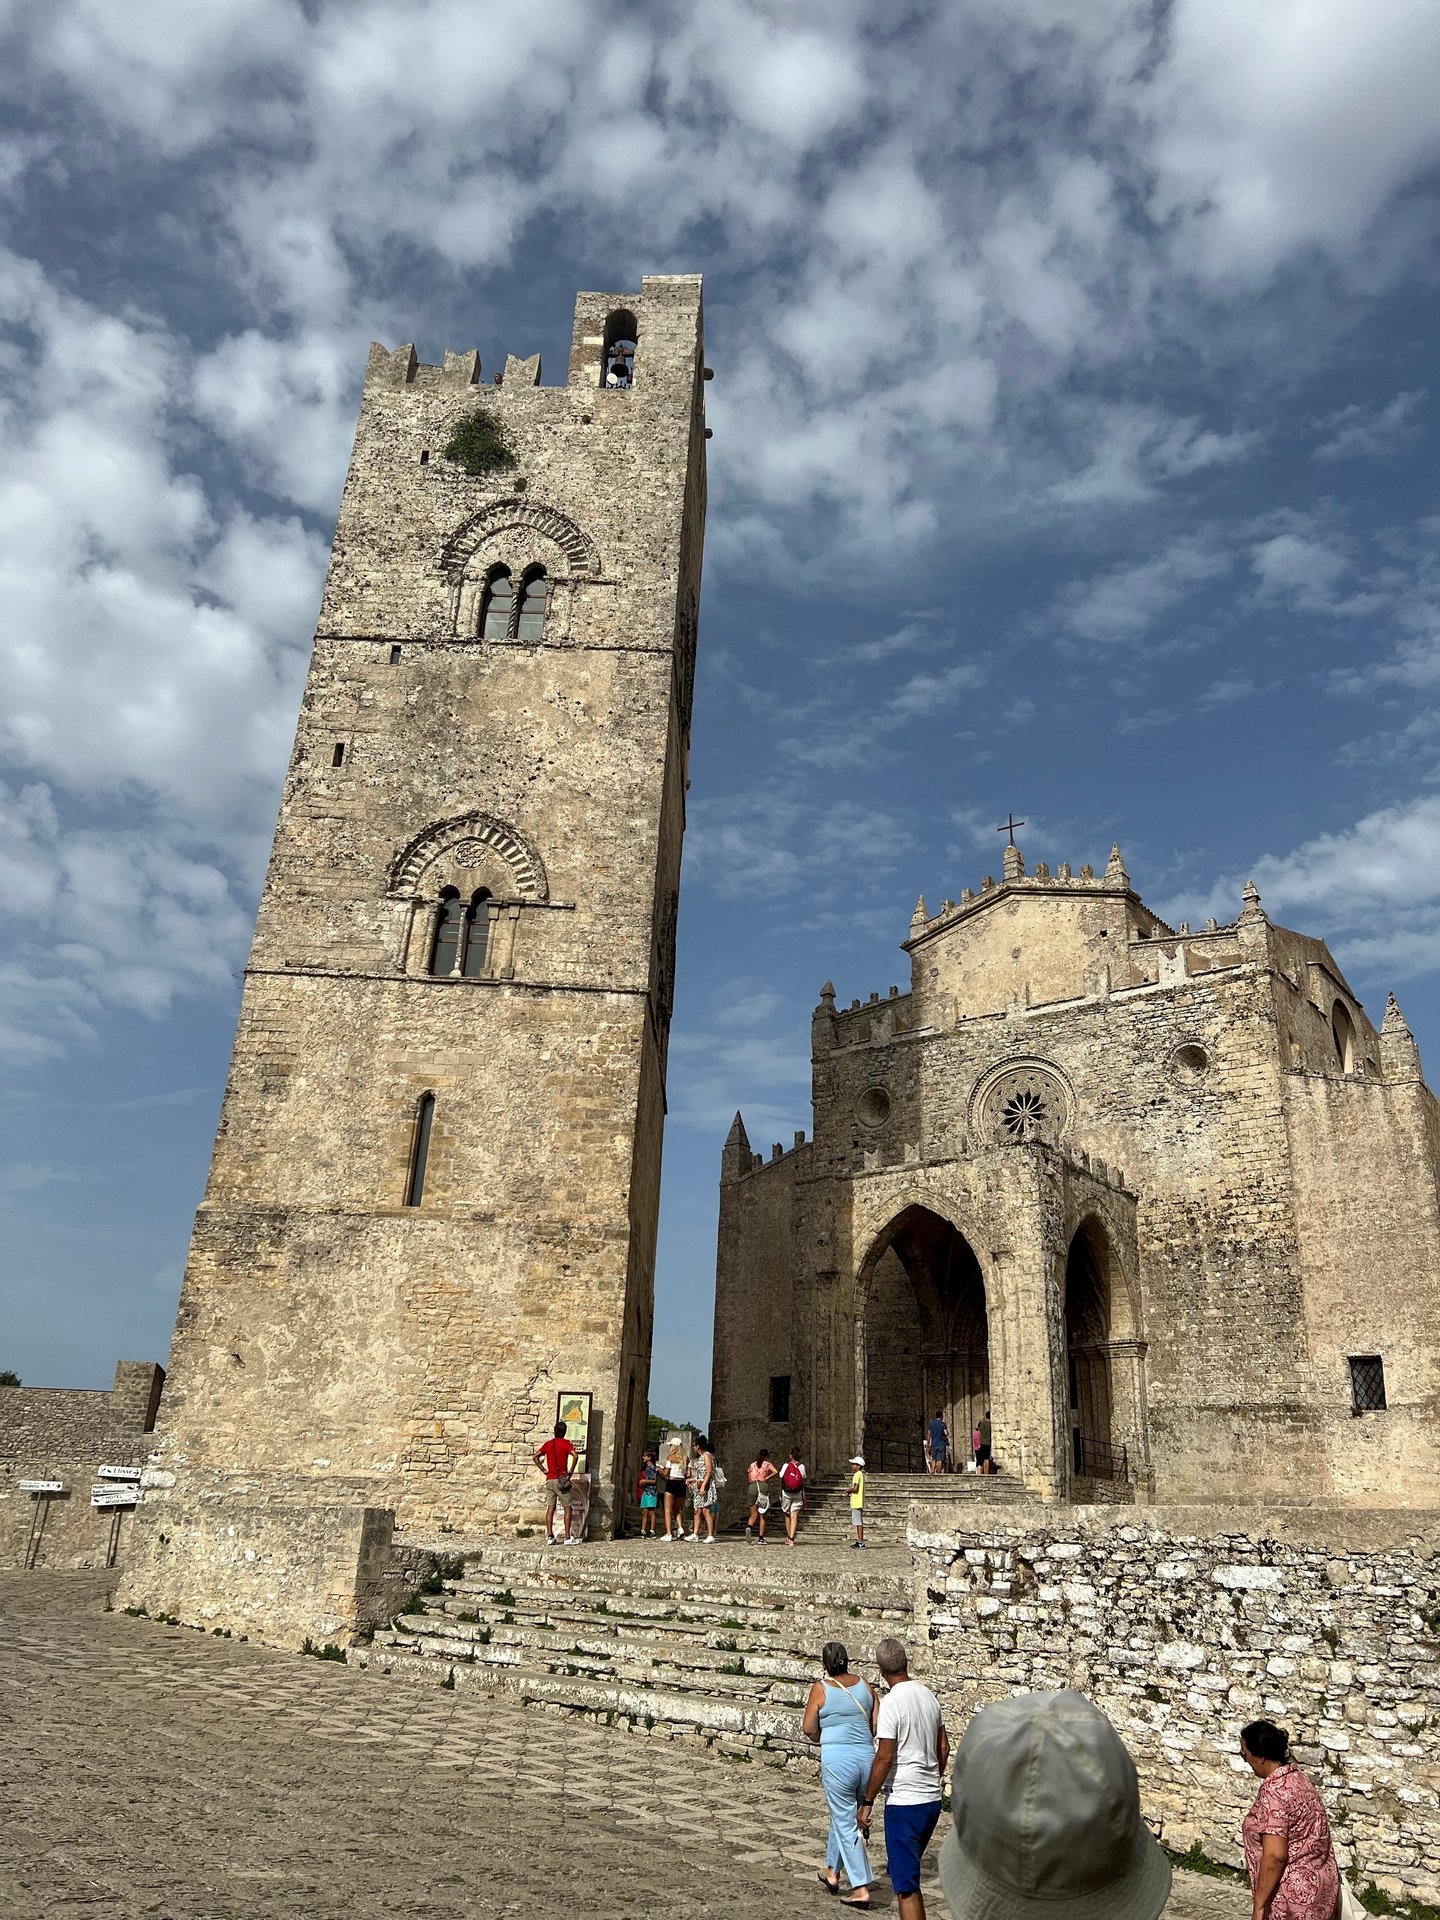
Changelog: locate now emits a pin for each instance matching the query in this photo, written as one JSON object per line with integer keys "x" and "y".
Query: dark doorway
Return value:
{"x": 1087, "y": 1343}
{"x": 926, "y": 1342}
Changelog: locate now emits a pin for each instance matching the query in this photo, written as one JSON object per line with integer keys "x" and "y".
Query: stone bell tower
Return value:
{"x": 432, "y": 1203}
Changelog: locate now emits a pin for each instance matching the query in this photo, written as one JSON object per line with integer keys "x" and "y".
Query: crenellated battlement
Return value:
{"x": 618, "y": 345}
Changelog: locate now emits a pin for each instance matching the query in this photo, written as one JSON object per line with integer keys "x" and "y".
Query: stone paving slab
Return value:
{"x": 155, "y": 1771}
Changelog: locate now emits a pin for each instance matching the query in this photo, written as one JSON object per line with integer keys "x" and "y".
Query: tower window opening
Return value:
{"x": 780, "y": 1398}
{"x": 449, "y": 928}
{"x": 534, "y": 596}
{"x": 1367, "y": 1383}
{"x": 617, "y": 362}
{"x": 424, "y": 456}
{"x": 477, "y": 934}
{"x": 497, "y": 605}
{"x": 337, "y": 758}
{"x": 1343, "y": 1028}
{"x": 395, "y": 653}
{"x": 420, "y": 1150}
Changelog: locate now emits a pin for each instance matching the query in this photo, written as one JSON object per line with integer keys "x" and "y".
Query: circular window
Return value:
{"x": 1027, "y": 1103}
{"x": 872, "y": 1109}
{"x": 1190, "y": 1062}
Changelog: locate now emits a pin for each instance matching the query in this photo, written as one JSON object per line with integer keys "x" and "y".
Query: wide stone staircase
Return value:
{"x": 889, "y": 1499}
{"x": 716, "y": 1643}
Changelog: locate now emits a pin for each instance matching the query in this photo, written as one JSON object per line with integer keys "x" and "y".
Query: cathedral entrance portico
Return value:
{"x": 926, "y": 1340}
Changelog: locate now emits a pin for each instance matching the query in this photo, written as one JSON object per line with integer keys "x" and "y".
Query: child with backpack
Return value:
{"x": 792, "y": 1493}
{"x": 647, "y": 1492}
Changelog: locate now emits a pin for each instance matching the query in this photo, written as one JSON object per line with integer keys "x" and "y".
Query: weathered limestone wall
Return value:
{"x": 1184, "y": 1623}
{"x": 279, "y": 1573}
{"x": 755, "y": 1322}
{"x": 65, "y": 1434}
{"x": 1368, "y": 1215}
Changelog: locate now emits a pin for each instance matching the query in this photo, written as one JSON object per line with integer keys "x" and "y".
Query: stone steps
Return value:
{"x": 714, "y": 1648}
{"x": 890, "y": 1496}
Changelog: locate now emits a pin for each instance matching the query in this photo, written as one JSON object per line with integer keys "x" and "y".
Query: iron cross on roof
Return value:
{"x": 1009, "y": 827}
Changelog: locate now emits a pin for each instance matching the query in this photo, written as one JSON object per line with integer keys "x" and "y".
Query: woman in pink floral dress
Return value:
{"x": 1288, "y": 1851}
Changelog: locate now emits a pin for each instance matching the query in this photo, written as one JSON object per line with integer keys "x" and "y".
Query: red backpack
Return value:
{"x": 792, "y": 1477}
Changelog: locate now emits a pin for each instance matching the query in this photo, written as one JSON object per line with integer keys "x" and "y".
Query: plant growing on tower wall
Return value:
{"x": 479, "y": 445}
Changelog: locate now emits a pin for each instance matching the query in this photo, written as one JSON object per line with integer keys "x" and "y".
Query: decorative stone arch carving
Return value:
{"x": 1023, "y": 1098}
{"x": 582, "y": 557}
{"x": 470, "y": 839}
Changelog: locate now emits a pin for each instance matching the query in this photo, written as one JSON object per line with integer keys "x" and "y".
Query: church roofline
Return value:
{"x": 1090, "y": 886}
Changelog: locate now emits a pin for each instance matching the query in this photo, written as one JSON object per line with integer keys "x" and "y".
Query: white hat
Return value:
{"x": 1047, "y": 1818}
{"x": 857, "y": 1459}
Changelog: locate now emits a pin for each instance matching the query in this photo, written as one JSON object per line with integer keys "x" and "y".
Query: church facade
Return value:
{"x": 1164, "y": 1201}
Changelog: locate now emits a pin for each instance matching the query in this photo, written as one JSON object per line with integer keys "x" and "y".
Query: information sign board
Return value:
{"x": 117, "y": 1473}
{"x": 114, "y": 1496}
{"x": 42, "y": 1486}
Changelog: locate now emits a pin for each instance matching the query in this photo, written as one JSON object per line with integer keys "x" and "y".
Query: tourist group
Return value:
{"x": 1045, "y": 1802}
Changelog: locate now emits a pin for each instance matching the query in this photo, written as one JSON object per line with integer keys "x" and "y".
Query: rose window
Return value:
{"x": 1026, "y": 1104}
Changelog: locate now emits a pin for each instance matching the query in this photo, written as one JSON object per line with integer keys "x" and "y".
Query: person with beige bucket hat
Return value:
{"x": 1047, "y": 1822}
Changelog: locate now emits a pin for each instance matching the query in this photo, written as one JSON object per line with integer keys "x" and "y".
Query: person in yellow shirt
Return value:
{"x": 857, "y": 1498}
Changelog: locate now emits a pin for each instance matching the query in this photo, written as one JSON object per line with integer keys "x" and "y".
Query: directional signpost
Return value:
{"x": 119, "y": 1490}
{"x": 44, "y": 1491}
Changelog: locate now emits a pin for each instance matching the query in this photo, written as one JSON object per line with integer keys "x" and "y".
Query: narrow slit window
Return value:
{"x": 424, "y": 456}
{"x": 477, "y": 934}
{"x": 337, "y": 758}
{"x": 395, "y": 653}
{"x": 1367, "y": 1383}
{"x": 534, "y": 594}
{"x": 448, "y": 930}
{"x": 420, "y": 1150}
{"x": 496, "y": 606}
{"x": 780, "y": 1398}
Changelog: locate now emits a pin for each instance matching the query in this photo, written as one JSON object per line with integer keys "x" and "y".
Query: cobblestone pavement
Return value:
{"x": 151, "y": 1770}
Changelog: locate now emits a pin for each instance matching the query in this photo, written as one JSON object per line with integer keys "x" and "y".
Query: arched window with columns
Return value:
{"x": 477, "y": 934}
{"x": 534, "y": 595}
{"x": 497, "y": 605}
{"x": 449, "y": 933}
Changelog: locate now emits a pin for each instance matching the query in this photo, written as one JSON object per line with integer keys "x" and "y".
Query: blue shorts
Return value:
{"x": 907, "y": 1834}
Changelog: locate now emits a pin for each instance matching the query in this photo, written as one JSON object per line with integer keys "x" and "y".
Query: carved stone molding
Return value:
{"x": 469, "y": 840}
{"x": 582, "y": 557}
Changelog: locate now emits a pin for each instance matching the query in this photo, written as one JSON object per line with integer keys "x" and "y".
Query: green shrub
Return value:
{"x": 479, "y": 445}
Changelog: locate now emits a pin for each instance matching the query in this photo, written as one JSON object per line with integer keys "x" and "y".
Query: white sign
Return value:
{"x": 114, "y": 1496}
{"x": 117, "y": 1473}
{"x": 42, "y": 1486}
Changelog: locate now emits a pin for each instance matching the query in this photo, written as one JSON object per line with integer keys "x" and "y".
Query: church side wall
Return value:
{"x": 1184, "y": 1623}
{"x": 1368, "y": 1212}
{"x": 755, "y": 1332}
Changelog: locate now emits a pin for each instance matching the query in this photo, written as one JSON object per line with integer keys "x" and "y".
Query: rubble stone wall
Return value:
{"x": 1183, "y": 1623}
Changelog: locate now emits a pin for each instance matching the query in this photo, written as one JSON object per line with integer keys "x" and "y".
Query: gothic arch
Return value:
{"x": 582, "y": 557}
{"x": 483, "y": 830}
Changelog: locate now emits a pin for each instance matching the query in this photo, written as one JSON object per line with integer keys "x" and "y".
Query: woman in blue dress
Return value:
{"x": 840, "y": 1717}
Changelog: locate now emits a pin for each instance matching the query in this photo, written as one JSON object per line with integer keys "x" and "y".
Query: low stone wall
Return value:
{"x": 1184, "y": 1623}
{"x": 276, "y": 1573}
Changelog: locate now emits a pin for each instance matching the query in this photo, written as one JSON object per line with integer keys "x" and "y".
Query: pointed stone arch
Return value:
{"x": 582, "y": 557}
{"x": 469, "y": 833}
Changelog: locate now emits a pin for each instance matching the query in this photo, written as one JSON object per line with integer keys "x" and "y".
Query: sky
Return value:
{"x": 1075, "y": 431}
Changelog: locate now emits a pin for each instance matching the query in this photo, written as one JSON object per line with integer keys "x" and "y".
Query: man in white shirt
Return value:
{"x": 912, "y": 1739}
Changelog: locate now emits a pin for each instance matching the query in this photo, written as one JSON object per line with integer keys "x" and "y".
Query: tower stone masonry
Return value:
{"x": 433, "y": 1198}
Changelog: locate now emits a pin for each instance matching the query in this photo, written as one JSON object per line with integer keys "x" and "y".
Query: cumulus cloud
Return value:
{"x": 1126, "y": 601}
{"x": 1366, "y": 433}
{"x": 1373, "y": 890}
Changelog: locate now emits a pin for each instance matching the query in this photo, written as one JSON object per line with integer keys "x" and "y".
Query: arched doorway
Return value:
{"x": 926, "y": 1340}
{"x": 1087, "y": 1343}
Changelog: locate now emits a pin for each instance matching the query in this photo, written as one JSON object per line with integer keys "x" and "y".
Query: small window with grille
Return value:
{"x": 1367, "y": 1383}
{"x": 780, "y": 1397}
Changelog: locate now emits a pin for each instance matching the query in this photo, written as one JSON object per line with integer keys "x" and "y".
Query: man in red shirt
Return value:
{"x": 556, "y": 1460}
